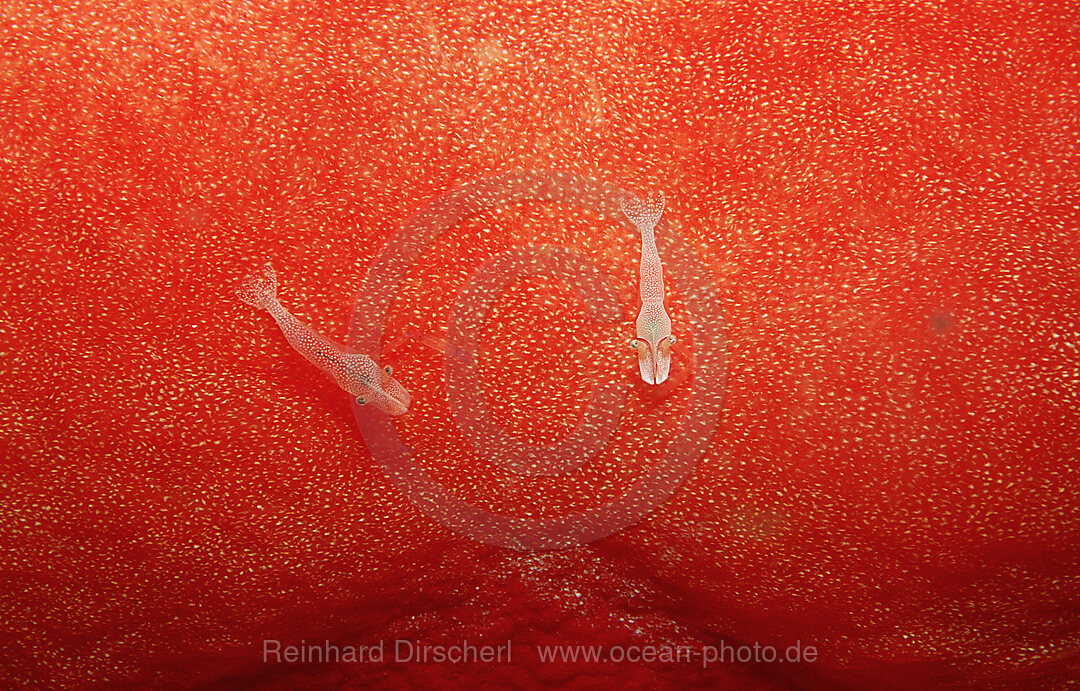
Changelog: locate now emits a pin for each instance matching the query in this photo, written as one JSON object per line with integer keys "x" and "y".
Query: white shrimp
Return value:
{"x": 654, "y": 339}
{"x": 355, "y": 372}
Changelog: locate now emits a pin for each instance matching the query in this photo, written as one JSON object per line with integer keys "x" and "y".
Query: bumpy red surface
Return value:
{"x": 887, "y": 199}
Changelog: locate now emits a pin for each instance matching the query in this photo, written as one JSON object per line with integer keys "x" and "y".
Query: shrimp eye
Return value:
{"x": 360, "y": 400}
{"x": 671, "y": 339}
{"x": 633, "y": 343}
{"x": 389, "y": 369}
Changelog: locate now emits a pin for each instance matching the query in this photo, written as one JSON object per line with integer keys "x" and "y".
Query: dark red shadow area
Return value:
{"x": 885, "y": 197}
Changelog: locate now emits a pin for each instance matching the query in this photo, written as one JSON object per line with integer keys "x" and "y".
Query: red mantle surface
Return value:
{"x": 885, "y": 197}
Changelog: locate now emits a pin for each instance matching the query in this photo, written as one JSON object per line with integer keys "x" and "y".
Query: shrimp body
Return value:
{"x": 654, "y": 339}
{"x": 355, "y": 372}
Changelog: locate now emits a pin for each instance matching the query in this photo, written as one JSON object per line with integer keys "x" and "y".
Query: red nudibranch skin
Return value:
{"x": 885, "y": 196}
